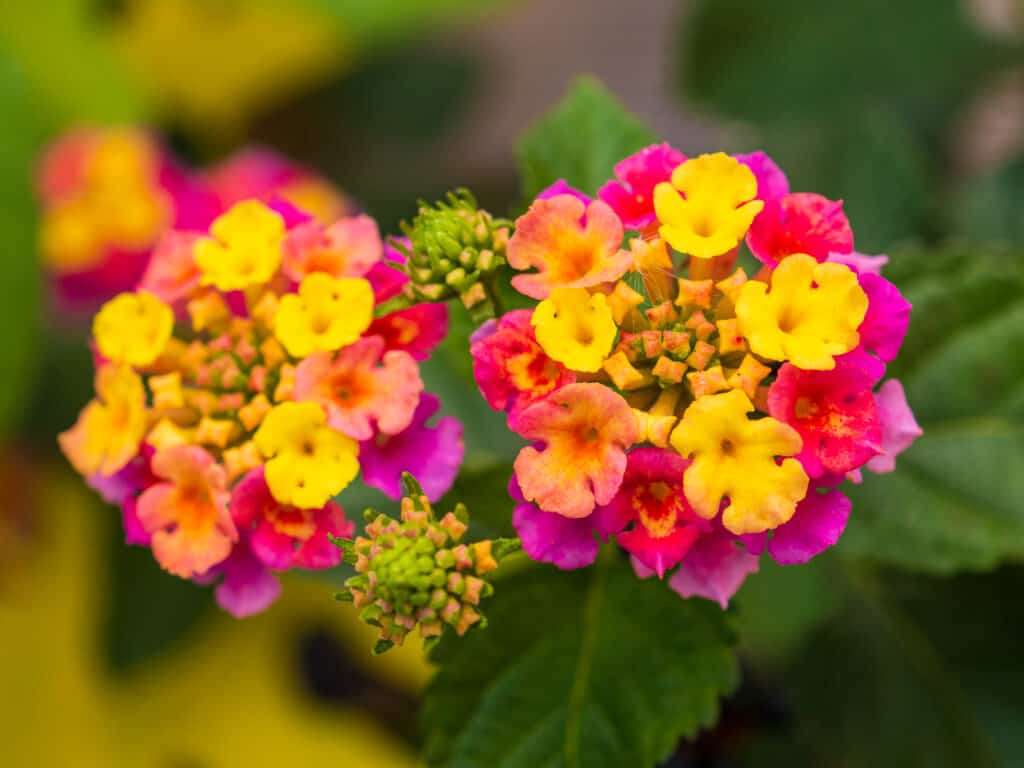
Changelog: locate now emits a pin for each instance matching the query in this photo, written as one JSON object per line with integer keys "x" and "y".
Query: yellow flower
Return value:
{"x": 308, "y": 462}
{"x": 245, "y": 248}
{"x": 110, "y": 428}
{"x": 735, "y": 457}
{"x": 575, "y": 328}
{"x": 717, "y": 209}
{"x": 327, "y": 313}
{"x": 810, "y": 315}
{"x": 133, "y": 328}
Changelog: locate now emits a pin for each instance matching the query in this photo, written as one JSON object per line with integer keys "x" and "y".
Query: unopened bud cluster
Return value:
{"x": 418, "y": 571}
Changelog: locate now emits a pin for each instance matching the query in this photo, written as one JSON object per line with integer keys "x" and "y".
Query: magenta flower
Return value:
{"x": 833, "y": 411}
{"x": 510, "y": 368}
{"x": 282, "y": 536}
{"x": 771, "y": 181}
{"x": 714, "y": 568}
{"x": 651, "y": 504}
{"x": 431, "y": 454}
{"x": 565, "y": 542}
{"x": 885, "y": 324}
{"x": 632, "y": 195}
{"x": 562, "y": 187}
{"x": 899, "y": 427}
{"x": 817, "y": 524}
{"x": 800, "y": 223}
{"x": 247, "y": 586}
{"x": 417, "y": 329}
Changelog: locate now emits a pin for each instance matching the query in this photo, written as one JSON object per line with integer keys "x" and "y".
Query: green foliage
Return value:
{"x": 954, "y": 500}
{"x": 19, "y": 290}
{"x": 591, "y": 668}
{"x": 990, "y": 207}
{"x": 580, "y": 140}
{"x": 372, "y": 23}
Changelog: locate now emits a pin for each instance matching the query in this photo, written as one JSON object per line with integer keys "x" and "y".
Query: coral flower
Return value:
{"x": 715, "y": 208}
{"x": 187, "y": 515}
{"x": 570, "y": 245}
{"x": 834, "y": 412}
{"x": 327, "y": 313}
{"x": 109, "y": 429}
{"x": 133, "y": 328}
{"x": 363, "y": 388}
{"x": 575, "y": 328}
{"x": 584, "y": 430}
{"x": 631, "y": 196}
{"x": 810, "y": 315}
{"x": 800, "y": 223}
{"x": 283, "y": 536}
{"x": 347, "y": 248}
{"x": 245, "y": 247}
{"x": 735, "y": 457}
{"x": 308, "y": 462}
{"x": 511, "y": 368}
{"x": 172, "y": 274}
{"x": 652, "y": 502}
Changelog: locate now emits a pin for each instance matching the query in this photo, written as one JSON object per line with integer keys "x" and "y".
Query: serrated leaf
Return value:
{"x": 579, "y": 140}
{"x": 956, "y": 499}
{"x": 587, "y": 669}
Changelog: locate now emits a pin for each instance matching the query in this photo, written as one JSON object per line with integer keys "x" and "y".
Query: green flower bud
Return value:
{"x": 418, "y": 572}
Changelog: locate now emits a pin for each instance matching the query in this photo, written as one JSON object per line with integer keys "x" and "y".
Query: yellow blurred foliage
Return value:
{"x": 228, "y": 695}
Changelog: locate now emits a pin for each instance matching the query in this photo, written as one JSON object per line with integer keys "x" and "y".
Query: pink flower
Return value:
{"x": 510, "y": 367}
{"x": 816, "y": 525}
{"x": 363, "y": 388}
{"x": 833, "y": 411}
{"x": 187, "y": 515}
{"x": 282, "y": 536}
{"x": 651, "y": 502}
{"x": 565, "y": 542}
{"x": 771, "y": 181}
{"x": 802, "y": 222}
{"x": 347, "y": 248}
{"x": 583, "y": 431}
{"x": 714, "y": 568}
{"x": 860, "y": 263}
{"x": 172, "y": 273}
{"x": 885, "y": 325}
{"x": 570, "y": 245}
{"x": 387, "y": 281}
{"x": 899, "y": 427}
{"x": 632, "y": 195}
{"x": 431, "y": 454}
{"x": 134, "y": 533}
{"x": 247, "y": 586}
{"x": 561, "y": 187}
{"x": 417, "y": 329}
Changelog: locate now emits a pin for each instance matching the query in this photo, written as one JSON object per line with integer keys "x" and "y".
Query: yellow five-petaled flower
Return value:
{"x": 133, "y": 328}
{"x": 575, "y": 328}
{"x": 245, "y": 248}
{"x": 327, "y": 313}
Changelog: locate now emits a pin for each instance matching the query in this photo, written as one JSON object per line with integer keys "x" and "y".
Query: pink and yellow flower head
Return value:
{"x": 570, "y": 246}
{"x": 740, "y": 391}
{"x": 107, "y": 196}
{"x": 223, "y": 377}
{"x": 347, "y": 248}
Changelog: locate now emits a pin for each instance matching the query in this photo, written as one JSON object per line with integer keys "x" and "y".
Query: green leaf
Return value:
{"x": 879, "y": 687}
{"x": 484, "y": 491}
{"x": 385, "y": 21}
{"x": 580, "y": 140}
{"x": 19, "y": 289}
{"x": 586, "y": 669}
{"x": 956, "y": 499}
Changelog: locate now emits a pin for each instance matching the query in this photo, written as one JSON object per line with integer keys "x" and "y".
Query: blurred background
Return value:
{"x": 911, "y": 112}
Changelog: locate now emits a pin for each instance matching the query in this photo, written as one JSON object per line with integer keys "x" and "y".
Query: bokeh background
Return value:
{"x": 912, "y": 112}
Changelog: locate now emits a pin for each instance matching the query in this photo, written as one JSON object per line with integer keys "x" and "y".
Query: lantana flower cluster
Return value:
{"x": 246, "y": 381}
{"x": 695, "y": 412}
{"x": 108, "y": 195}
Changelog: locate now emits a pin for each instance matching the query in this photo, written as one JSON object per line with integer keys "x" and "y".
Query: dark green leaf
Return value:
{"x": 955, "y": 500}
{"x": 580, "y": 140}
{"x": 485, "y": 492}
{"x": 584, "y": 670}
{"x": 991, "y": 207}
